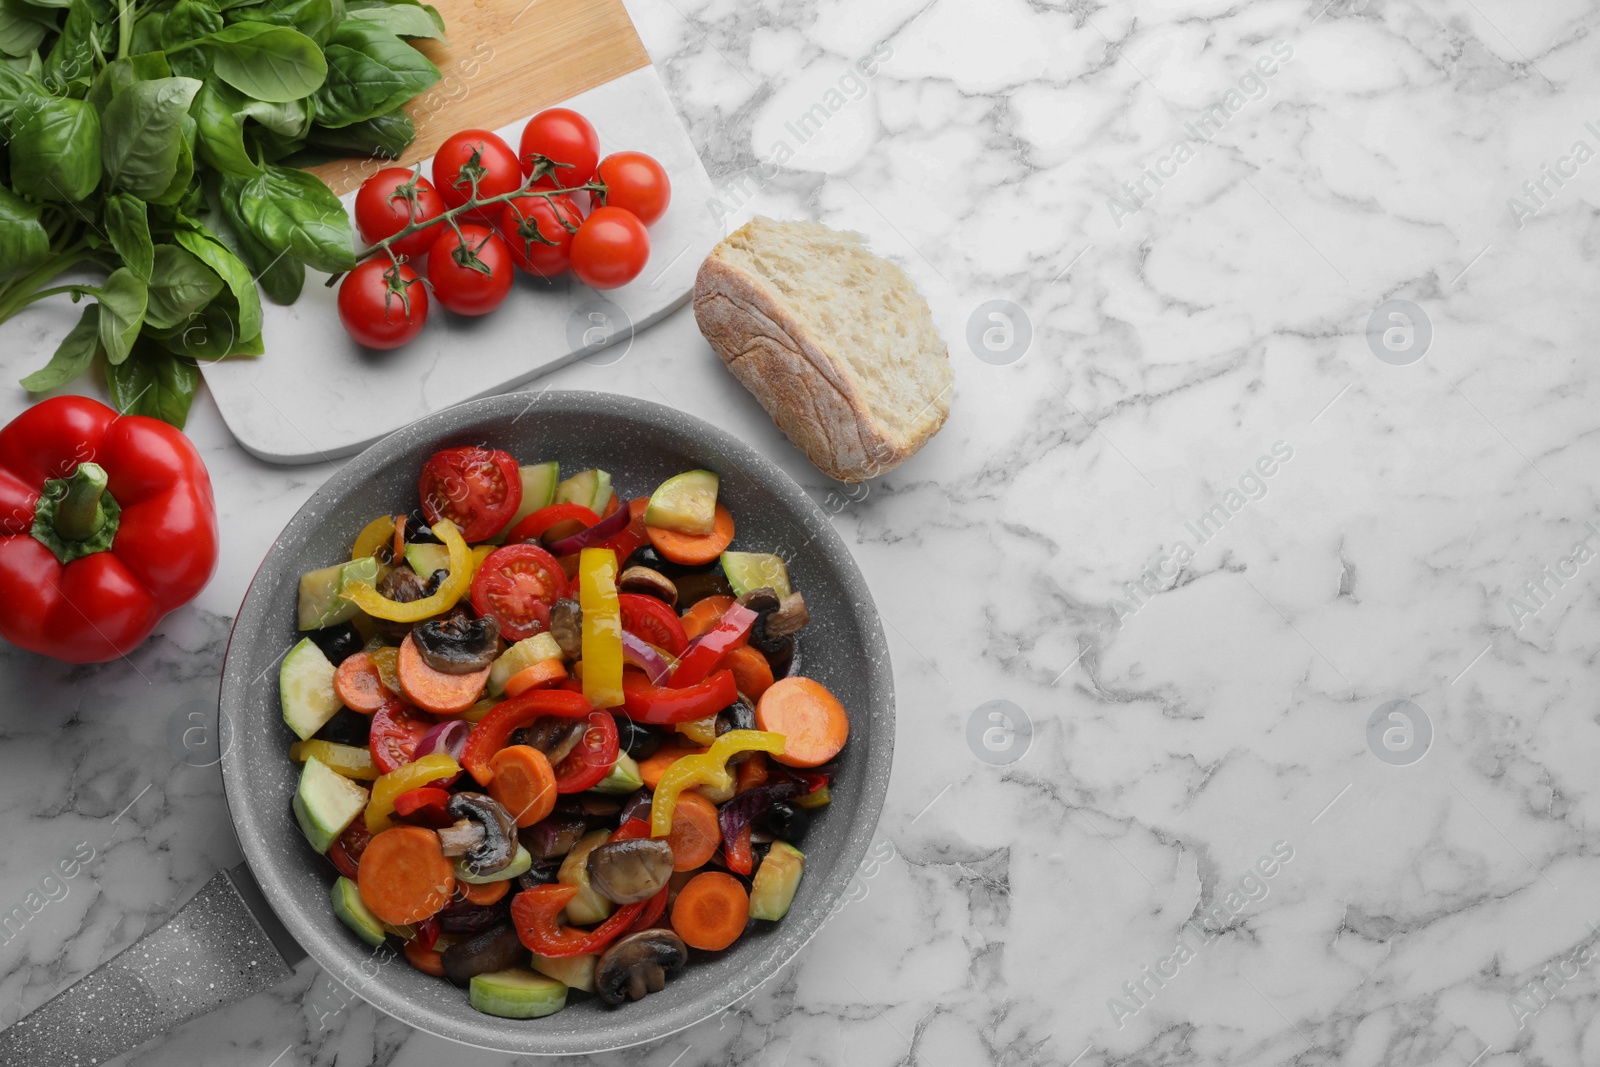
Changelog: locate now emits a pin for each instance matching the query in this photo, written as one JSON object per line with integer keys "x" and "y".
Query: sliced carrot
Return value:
{"x": 653, "y": 766}
{"x": 426, "y": 960}
{"x": 704, "y": 615}
{"x": 751, "y": 672}
{"x": 404, "y": 876}
{"x": 436, "y": 691}
{"x": 693, "y": 550}
{"x": 359, "y": 685}
{"x": 811, "y": 719}
{"x": 611, "y": 507}
{"x": 751, "y": 773}
{"x": 711, "y": 911}
{"x": 524, "y": 783}
{"x": 532, "y": 677}
{"x": 695, "y": 832}
{"x": 485, "y": 894}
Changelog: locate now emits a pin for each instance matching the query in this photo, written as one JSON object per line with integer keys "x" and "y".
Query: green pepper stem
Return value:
{"x": 80, "y": 515}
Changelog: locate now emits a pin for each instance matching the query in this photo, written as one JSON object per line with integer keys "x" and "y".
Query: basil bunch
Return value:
{"x": 158, "y": 142}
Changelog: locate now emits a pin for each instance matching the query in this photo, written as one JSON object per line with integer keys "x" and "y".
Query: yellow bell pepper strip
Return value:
{"x": 602, "y": 627}
{"x": 430, "y": 768}
{"x": 452, "y": 589}
{"x": 379, "y": 533}
{"x": 708, "y": 768}
{"x": 348, "y": 760}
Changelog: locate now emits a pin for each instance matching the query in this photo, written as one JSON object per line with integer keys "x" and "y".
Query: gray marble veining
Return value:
{"x": 1162, "y": 270}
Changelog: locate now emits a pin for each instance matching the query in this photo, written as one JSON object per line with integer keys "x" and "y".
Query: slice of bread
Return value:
{"x": 835, "y": 342}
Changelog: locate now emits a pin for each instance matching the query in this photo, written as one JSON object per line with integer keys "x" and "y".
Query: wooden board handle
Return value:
{"x": 506, "y": 60}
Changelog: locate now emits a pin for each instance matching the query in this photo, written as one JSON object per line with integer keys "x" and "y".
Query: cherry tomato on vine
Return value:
{"x": 392, "y": 199}
{"x": 610, "y": 248}
{"x": 480, "y": 153}
{"x": 562, "y": 136}
{"x": 517, "y": 584}
{"x": 548, "y": 216}
{"x": 636, "y": 182}
{"x": 381, "y": 304}
{"x": 478, "y": 489}
{"x": 470, "y": 272}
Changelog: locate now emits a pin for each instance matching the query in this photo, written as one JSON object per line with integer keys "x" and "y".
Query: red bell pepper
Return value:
{"x": 662, "y": 706}
{"x": 494, "y": 729}
{"x": 427, "y": 805}
{"x": 738, "y": 852}
{"x": 710, "y": 648}
{"x": 536, "y": 912}
{"x": 534, "y": 526}
{"x": 107, "y": 523}
{"x": 654, "y": 908}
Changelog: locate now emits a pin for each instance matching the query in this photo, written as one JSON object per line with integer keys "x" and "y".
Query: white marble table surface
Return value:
{"x": 1189, "y": 848}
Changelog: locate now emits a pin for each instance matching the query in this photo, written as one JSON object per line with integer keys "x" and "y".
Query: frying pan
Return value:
{"x": 247, "y": 928}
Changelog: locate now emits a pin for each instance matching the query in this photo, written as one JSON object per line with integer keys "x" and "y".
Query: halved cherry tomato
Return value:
{"x": 535, "y": 525}
{"x": 396, "y": 729}
{"x": 587, "y": 764}
{"x": 346, "y": 850}
{"x": 478, "y": 489}
{"x": 649, "y": 618}
{"x": 516, "y": 585}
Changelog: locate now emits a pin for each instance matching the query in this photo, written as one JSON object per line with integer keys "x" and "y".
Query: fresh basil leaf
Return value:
{"x": 72, "y": 356}
{"x": 122, "y": 73}
{"x": 291, "y": 120}
{"x": 386, "y": 136}
{"x": 188, "y": 20}
{"x": 283, "y": 279}
{"x": 221, "y": 141}
{"x": 23, "y": 27}
{"x": 183, "y": 170}
{"x": 23, "y": 241}
{"x": 179, "y": 287}
{"x": 127, "y": 221}
{"x": 403, "y": 20}
{"x": 288, "y": 208}
{"x": 154, "y": 383}
{"x": 211, "y": 335}
{"x": 247, "y": 302}
{"x": 314, "y": 18}
{"x": 122, "y": 304}
{"x": 144, "y": 135}
{"x": 272, "y": 63}
{"x": 371, "y": 72}
{"x": 72, "y": 59}
{"x": 55, "y": 149}
{"x": 15, "y": 88}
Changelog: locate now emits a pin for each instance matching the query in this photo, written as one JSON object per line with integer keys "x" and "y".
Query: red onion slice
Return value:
{"x": 447, "y": 737}
{"x": 603, "y": 530}
{"x": 639, "y": 652}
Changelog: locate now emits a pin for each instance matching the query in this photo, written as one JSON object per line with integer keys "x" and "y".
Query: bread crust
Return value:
{"x": 812, "y": 400}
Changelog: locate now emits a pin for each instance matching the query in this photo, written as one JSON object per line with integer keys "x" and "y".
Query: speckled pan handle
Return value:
{"x": 222, "y": 946}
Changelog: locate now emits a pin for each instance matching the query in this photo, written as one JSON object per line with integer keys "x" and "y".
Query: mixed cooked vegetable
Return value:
{"x": 553, "y": 741}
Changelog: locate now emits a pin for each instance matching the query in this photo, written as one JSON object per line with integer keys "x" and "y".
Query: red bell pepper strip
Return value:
{"x": 534, "y": 526}
{"x": 633, "y": 538}
{"x": 632, "y": 830}
{"x": 428, "y": 931}
{"x": 535, "y": 913}
{"x": 494, "y": 730}
{"x": 107, "y": 523}
{"x": 654, "y": 908}
{"x": 663, "y": 706}
{"x": 427, "y": 805}
{"x": 741, "y": 858}
{"x": 709, "y": 650}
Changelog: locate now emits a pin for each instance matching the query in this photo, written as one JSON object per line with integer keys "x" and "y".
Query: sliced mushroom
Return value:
{"x": 539, "y": 874}
{"x": 461, "y": 838}
{"x": 626, "y": 872}
{"x": 790, "y": 618}
{"x": 650, "y": 583}
{"x": 566, "y": 626}
{"x": 402, "y": 585}
{"x": 552, "y": 735}
{"x": 458, "y": 643}
{"x": 467, "y": 919}
{"x": 553, "y": 837}
{"x": 499, "y": 843}
{"x": 765, "y": 603}
{"x": 492, "y": 950}
{"x": 638, "y": 965}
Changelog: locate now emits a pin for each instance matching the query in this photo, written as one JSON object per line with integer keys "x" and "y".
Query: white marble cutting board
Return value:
{"x": 316, "y": 395}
